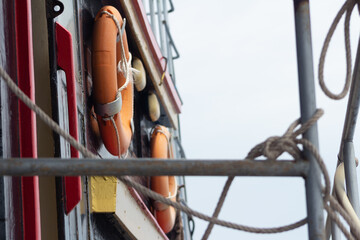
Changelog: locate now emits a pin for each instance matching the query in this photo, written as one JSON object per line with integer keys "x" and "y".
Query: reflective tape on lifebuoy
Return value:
{"x": 107, "y": 79}
{"x": 164, "y": 185}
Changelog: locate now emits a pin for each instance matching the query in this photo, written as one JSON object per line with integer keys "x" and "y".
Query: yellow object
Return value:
{"x": 139, "y": 74}
{"x": 154, "y": 107}
{"x": 103, "y": 194}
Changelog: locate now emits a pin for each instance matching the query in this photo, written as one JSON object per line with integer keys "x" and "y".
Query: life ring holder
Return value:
{"x": 164, "y": 185}
{"x": 110, "y": 71}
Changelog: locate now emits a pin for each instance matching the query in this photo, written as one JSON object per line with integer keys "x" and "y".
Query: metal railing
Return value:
{"x": 309, "y": 170}
{"x": 160, "y": 26}
{"x": 307, "y": 98}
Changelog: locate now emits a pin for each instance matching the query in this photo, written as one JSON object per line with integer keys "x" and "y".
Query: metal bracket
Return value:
{"x": 54, "y": 8}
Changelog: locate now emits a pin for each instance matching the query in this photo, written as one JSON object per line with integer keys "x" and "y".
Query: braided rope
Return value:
{"x": 347, "y": 8}
{"x": 327, "y": 197}
{"x": 54, "y": 126}
{"x": 332, "y": 214}
{"x": 43, "y": 116}
{"x": 271, "y": 148}
{"x": 124, "y": 66}
{"x": 218, "y": 206}
{"x": 145, "y": 191}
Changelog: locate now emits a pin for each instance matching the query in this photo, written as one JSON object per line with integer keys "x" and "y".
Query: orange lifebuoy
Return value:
{"x": 114, "y": 124}
{"x": 164, "y": 185}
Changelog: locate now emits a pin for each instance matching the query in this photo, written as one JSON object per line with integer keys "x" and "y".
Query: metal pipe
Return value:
{"x": 171, "y": 6}
{"x": 152, "y": 16}
{"x": 308, "y": 108}
{"x": 167, "y": 41}
{"x": 170, "y": 10}
{"x": 171, "y": 41}
{"x": 149, "y": 167}
{"x": 160, "y": 27}
{"x": 335, "y": 231}
{"x": 350, "y": 176}
{"x": 349, "y": 131}
{"x": 353, "y": 105}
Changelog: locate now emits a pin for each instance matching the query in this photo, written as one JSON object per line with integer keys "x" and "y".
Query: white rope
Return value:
{"x": 117, "y": 136}
{"x": 341, "y": 194}
{"x": 124, "y": 66}
{"x": 170, "y": 152}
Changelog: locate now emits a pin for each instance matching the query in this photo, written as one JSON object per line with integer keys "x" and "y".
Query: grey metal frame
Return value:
{"x": 346, "y": 152}
{"x": 150, "y": 167}
{"x": 309, "y": 169}
{"x": 308, "y": 107}
{"x": 347, "y": 147}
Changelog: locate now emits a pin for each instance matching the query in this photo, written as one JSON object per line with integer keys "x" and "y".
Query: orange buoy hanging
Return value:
{"x": 112, "y": 80}
{"x": 164, "y": 185}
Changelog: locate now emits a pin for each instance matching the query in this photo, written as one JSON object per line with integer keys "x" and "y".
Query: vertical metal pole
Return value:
{"x": 347, "y": 148}
{"x": 308, "y": 108}
{"x": 350, "y": 175}
{"x": 335, "y": 231}
{"x": 152, "y": 16}
{"x": 167, "y": 39}
{"x": 347, "y": 138}
{"x": 161, "y": 27}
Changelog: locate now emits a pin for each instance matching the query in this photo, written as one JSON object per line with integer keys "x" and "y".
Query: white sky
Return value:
{"x": 237, "y": 76}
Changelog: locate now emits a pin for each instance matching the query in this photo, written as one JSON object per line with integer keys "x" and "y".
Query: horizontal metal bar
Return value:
{"x": 149, "y": 167}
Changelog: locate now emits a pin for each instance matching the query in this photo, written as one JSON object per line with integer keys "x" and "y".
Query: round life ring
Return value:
{"x": 114, "y": 111}
{"x": 164, "y": 185}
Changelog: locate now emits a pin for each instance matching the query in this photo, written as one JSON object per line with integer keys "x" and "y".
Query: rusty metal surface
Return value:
{"x": 150, "y": 167}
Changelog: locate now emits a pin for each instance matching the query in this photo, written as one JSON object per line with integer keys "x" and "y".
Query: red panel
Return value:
{"x": 27, "y": 120}
{"x": 155, "y": 50}
{"x": 65, "y": 61}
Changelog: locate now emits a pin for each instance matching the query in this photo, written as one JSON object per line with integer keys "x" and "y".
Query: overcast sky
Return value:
{"x": 237, "y": 76}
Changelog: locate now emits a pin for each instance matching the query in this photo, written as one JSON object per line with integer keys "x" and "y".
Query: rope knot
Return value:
{"x": 275, "y": 146}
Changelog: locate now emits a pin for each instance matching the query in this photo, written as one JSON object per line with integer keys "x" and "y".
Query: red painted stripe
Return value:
{"x": 155, "y": 50}
{"x": 147, "y": 212}
{"x": 65, "y": 61}
{"x": 27, "y": 120}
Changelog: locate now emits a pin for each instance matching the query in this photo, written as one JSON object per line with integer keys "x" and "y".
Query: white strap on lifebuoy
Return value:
{"x": 109, "y": 109}
{"x": 159, "y": 206}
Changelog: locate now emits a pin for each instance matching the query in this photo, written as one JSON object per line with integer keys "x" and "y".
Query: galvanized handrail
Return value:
{"x": 150, "y": 167}
{"x": 172, "y": 8}
{"x": 346, "y": 152}
{"x": 171, "y": 41}
{"x": 308, "y": 107}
